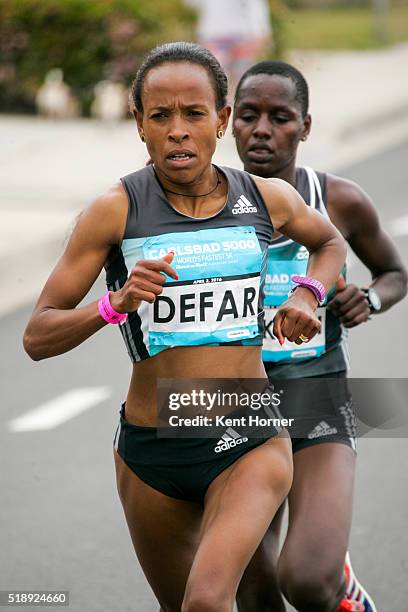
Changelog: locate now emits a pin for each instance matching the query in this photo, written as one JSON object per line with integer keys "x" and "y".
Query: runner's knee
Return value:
{"x": 259, "y": 596}
{"x": 258, "y": 589}
{"x": 206, "y": 599}
{"x": 310, "y": 590}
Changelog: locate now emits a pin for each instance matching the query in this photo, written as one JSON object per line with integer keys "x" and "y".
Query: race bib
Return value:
{"x": 273, "y": 351}
{"x": 278, "y": 282}
{"x": 215, "y": 299}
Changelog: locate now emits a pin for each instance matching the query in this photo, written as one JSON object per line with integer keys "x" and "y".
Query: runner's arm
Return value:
{"x": 356, "y": 216}
{"x": 290, "y": 215}
{"x": 296, "y": 318}
{"x": 56, "y": 325}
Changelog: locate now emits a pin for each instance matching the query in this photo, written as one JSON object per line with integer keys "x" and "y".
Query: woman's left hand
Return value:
{"x": 296, "y": 318}
{"x": 349, "y": 304}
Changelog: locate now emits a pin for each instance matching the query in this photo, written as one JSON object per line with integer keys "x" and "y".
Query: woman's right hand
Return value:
{"x": 305, "y": 225}
{"x": 296, "y": 318}
{"x": 145, "y": 283}
{"x": 58, "y": 323}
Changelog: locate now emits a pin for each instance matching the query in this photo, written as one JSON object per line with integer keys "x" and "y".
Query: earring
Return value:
{"x": 304, "y": 138}
{"x": 142, "y": 138}
{"x": 220, "y": 134}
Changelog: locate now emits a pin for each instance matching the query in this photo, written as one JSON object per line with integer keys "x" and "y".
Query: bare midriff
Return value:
{"x": 209, "y": 362}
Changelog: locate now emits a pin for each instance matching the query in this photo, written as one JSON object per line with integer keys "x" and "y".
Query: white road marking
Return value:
{"x": 399, "y": 227}
{"x": 60, "y": 409}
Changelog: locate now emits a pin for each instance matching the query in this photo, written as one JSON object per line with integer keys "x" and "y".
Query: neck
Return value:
{"x": 198, "y": 198}
{"x": 286, "y": 173}
{"x": 200, "y": 184}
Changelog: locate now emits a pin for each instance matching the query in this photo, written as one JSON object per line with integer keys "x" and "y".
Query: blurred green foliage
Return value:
{"x": 90, "y": 40}
{"x": 278, "y": 13}
{"x": 306, "y": 4}
{"x": 329, "y": 4}
{"x": 343, "y": 28}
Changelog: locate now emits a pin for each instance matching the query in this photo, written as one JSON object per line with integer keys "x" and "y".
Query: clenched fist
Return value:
{"x": 296, "y": 317}
{"x": 349, "y": 304}
{"x": 145, "y": 283}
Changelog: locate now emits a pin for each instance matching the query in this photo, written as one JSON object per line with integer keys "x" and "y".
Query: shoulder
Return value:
{"x": 112, "y": 202}
{"x": 348, "y": 204}
{"x": 282, "y": 201}
{"x": 269, "y": 187}
{"x": 276, "y": 192}
{"x": 343, "y": 192}
{"x": 273, "y": 187}
{"x": 145, "y": 173}
{"x": 105, "y": 217}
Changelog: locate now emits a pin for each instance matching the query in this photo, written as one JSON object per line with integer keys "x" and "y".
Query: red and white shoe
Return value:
{"x": 347, "y": 605}
{"x": 355, "y": 592}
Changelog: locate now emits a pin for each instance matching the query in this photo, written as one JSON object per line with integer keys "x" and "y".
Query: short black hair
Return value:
{"x": 182, "y": 52}
{"x": 274, "y": 67}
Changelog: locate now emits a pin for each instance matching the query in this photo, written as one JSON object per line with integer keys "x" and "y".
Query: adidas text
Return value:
{"x": 224, "y": 445}
{"x": 242, "y": 206}
{"x": 321, "y": 430}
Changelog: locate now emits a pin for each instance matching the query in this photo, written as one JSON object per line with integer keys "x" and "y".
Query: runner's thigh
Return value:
{"x": 165, "y": 535}
{"x": 259, "y": 589}
{"x": 320, "y": 509}
{"x": 239, "y": 506}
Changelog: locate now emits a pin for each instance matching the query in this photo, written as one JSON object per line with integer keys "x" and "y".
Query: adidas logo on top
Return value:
{"x": 243, "y": 205}
{"x": 230, "y": 439}
{"x": 322, "y": 429}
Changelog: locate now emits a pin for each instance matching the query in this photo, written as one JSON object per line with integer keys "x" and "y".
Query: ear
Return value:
{"x": 139, "y": 121}
{"x": 223, "y": 118}
{"x": 307, "y": 126}
{"x": 233, "y": 124}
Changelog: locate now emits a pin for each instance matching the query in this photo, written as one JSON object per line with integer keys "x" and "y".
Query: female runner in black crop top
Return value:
{"x": 195, "y": 520}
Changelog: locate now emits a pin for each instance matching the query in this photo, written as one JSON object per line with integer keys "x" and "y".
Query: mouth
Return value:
{"x": 260, "y": 153}
{"x": 180, "y": 157}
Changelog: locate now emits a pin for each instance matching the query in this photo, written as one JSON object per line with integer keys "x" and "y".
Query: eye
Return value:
{"x": 248, "y": 117}
{"x": 281, "y": 119}
{"x": 196, "y": 113}
{"x": 159, "y": 115}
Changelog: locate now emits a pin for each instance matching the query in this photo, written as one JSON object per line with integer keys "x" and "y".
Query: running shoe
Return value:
{"x": 347, "y": 605}
{"x": 355, "y": 593}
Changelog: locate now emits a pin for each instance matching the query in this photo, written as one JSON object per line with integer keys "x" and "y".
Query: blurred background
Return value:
{"x": 90, "y": 43}
{"x": 65, "y": 136}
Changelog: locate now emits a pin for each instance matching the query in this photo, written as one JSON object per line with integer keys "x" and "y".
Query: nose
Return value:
{"x": 178, "y": 132}
{"x": 262, "y": 129}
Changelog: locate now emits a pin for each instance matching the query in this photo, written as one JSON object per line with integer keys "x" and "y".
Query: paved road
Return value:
{"x": 62, "y": 524}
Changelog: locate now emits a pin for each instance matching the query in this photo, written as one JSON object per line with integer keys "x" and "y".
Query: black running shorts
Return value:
{"x": 321, "y": 408}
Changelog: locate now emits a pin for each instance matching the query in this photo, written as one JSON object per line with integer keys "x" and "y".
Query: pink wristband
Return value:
{"x": 108, "y": 314}
{"x": 315, "y": 286}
